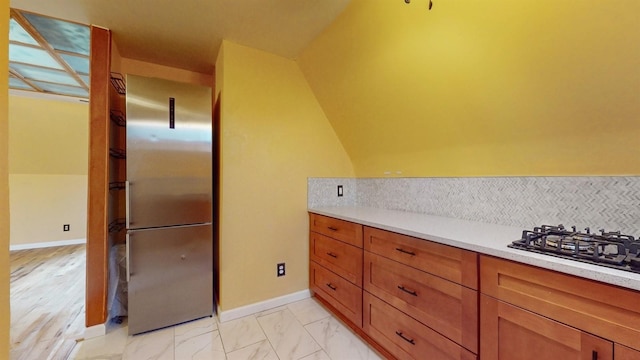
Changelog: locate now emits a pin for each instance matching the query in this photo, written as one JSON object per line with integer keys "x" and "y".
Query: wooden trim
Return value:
{"x": 57, "y": 18}
{"x": 71, "y": 53}
{"x": 33, "y": 46}
{"x": 97, "y": 219}
{"x": 27, "y": 81}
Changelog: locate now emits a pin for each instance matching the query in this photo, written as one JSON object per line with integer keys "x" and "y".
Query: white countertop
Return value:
{"x": 489, "y": 239}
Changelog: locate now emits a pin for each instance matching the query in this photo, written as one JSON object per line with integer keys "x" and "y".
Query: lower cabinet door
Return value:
{"x": 340, "y": 293}
{"x": 508, "y": 332}
{"x": 621, "y": 352}
{"x": 405, "y": 337}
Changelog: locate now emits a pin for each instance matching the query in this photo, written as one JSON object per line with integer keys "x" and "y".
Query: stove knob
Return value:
{"x": 587, "y": 230}
{"x": 574, "y": 228}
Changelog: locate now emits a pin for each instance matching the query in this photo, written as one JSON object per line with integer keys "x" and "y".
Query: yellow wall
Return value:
{"x": 274, "y": 136}
{"x": 47, "y": 169}
{"x": 481, "y": 88}
{"x": 5, "y": 314}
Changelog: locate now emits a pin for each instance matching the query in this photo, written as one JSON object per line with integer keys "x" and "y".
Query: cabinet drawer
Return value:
{"x": 448, "y": 308}
{"x": 405, "y": 337}
{"x": 341, "y": 258}
{"x": 601, "y": 309}
{"x": 457, "y": 265}
{"x": 346, "y": 231}
{"x": 341, "y": 294}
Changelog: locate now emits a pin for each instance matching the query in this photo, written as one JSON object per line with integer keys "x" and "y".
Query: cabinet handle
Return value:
{"x": 409, "y": 340}
{"x": 406, "y": 252}
{"x": 331, "y": 286}
{"x": 594, "y": 355}
{"x": 332, "y": 228}
{"x": 332, "y": 255}
{"x": 407, "y": 290}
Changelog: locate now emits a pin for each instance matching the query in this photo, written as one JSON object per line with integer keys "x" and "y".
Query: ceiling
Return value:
{"x": 188, "y": 34}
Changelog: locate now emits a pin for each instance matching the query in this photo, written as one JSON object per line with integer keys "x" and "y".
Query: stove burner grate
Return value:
{"x": 610, "y": 249}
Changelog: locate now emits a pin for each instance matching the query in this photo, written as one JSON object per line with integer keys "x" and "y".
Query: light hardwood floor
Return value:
{"x": 47, "y": 317}
{"x": 47, "y": 301}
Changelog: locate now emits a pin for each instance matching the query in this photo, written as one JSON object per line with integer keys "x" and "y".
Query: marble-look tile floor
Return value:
{"x": 301, "y": 330}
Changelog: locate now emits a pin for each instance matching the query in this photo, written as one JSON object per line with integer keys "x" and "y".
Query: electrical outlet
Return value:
{"x": 65, "y": 227}
{"x": 340, "y": 191}
{"x": 280, "y": 269}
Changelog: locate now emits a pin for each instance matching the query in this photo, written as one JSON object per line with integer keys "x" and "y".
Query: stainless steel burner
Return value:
{"x": 568, "y": 243}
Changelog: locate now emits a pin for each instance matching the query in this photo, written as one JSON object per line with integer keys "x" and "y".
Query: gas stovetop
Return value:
{"x": 610, "y": 249}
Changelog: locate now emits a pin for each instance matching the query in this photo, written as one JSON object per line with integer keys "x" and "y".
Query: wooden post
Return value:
{"x": 98, "y": 189}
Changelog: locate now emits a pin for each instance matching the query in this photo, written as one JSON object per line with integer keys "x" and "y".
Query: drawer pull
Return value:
{"x": 332, "y": 255}
{"x": 594, "y": 355}
{"x": 332, "y": 228}
{"x": 409, "y": 340}
{"x": 406, "y": 252}
{"x": 407, "y": 290}
{"x": 331, "y": 286}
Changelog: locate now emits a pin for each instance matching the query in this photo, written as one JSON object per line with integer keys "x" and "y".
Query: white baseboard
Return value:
{"x": 47, "y": 244}
{"x": 95, "y": 331}
{"x": 251, "y": 309}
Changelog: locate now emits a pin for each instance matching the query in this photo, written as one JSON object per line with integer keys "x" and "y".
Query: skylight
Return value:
{"x": 48, "y": 55}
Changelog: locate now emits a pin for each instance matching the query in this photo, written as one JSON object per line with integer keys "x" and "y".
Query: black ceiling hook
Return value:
{"x": 430, "y": 3}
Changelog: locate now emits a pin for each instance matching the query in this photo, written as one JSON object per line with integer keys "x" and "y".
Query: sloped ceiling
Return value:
{"x": 482, "y": 88}
{"x": 188, "y": 34}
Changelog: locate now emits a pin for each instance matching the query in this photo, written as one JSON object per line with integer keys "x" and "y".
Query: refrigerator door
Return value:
{"x": 170, "y": 276}
{"x": 168, "y": 153}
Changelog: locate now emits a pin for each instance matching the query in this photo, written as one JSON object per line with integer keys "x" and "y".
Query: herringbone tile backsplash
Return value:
{"x": 610, "y": 202}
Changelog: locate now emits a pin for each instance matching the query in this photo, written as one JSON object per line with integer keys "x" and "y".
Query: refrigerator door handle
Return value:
{"x": 127, "y": 210}
{"x": 128, "y": 255}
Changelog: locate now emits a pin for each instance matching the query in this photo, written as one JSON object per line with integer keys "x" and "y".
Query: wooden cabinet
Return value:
{"x": 335, "y": 266}
{"x": 509, "y": 332}
{"x": 621, "y": 352}
{"x": 457, "y": 265}
{"x": 345, "y": 231}
{"x": 519, "y": 302}
{"x": 420, "y": 282}
{"x": 417, "y": 299}
{"x": 406, "y": 338}
{"x": 340, "y": 293}
{"x": 446, "y": 307}
{"x": 342, "y": 258}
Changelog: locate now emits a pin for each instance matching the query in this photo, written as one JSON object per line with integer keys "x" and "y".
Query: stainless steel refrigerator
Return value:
{"x": 168, "y": 203}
